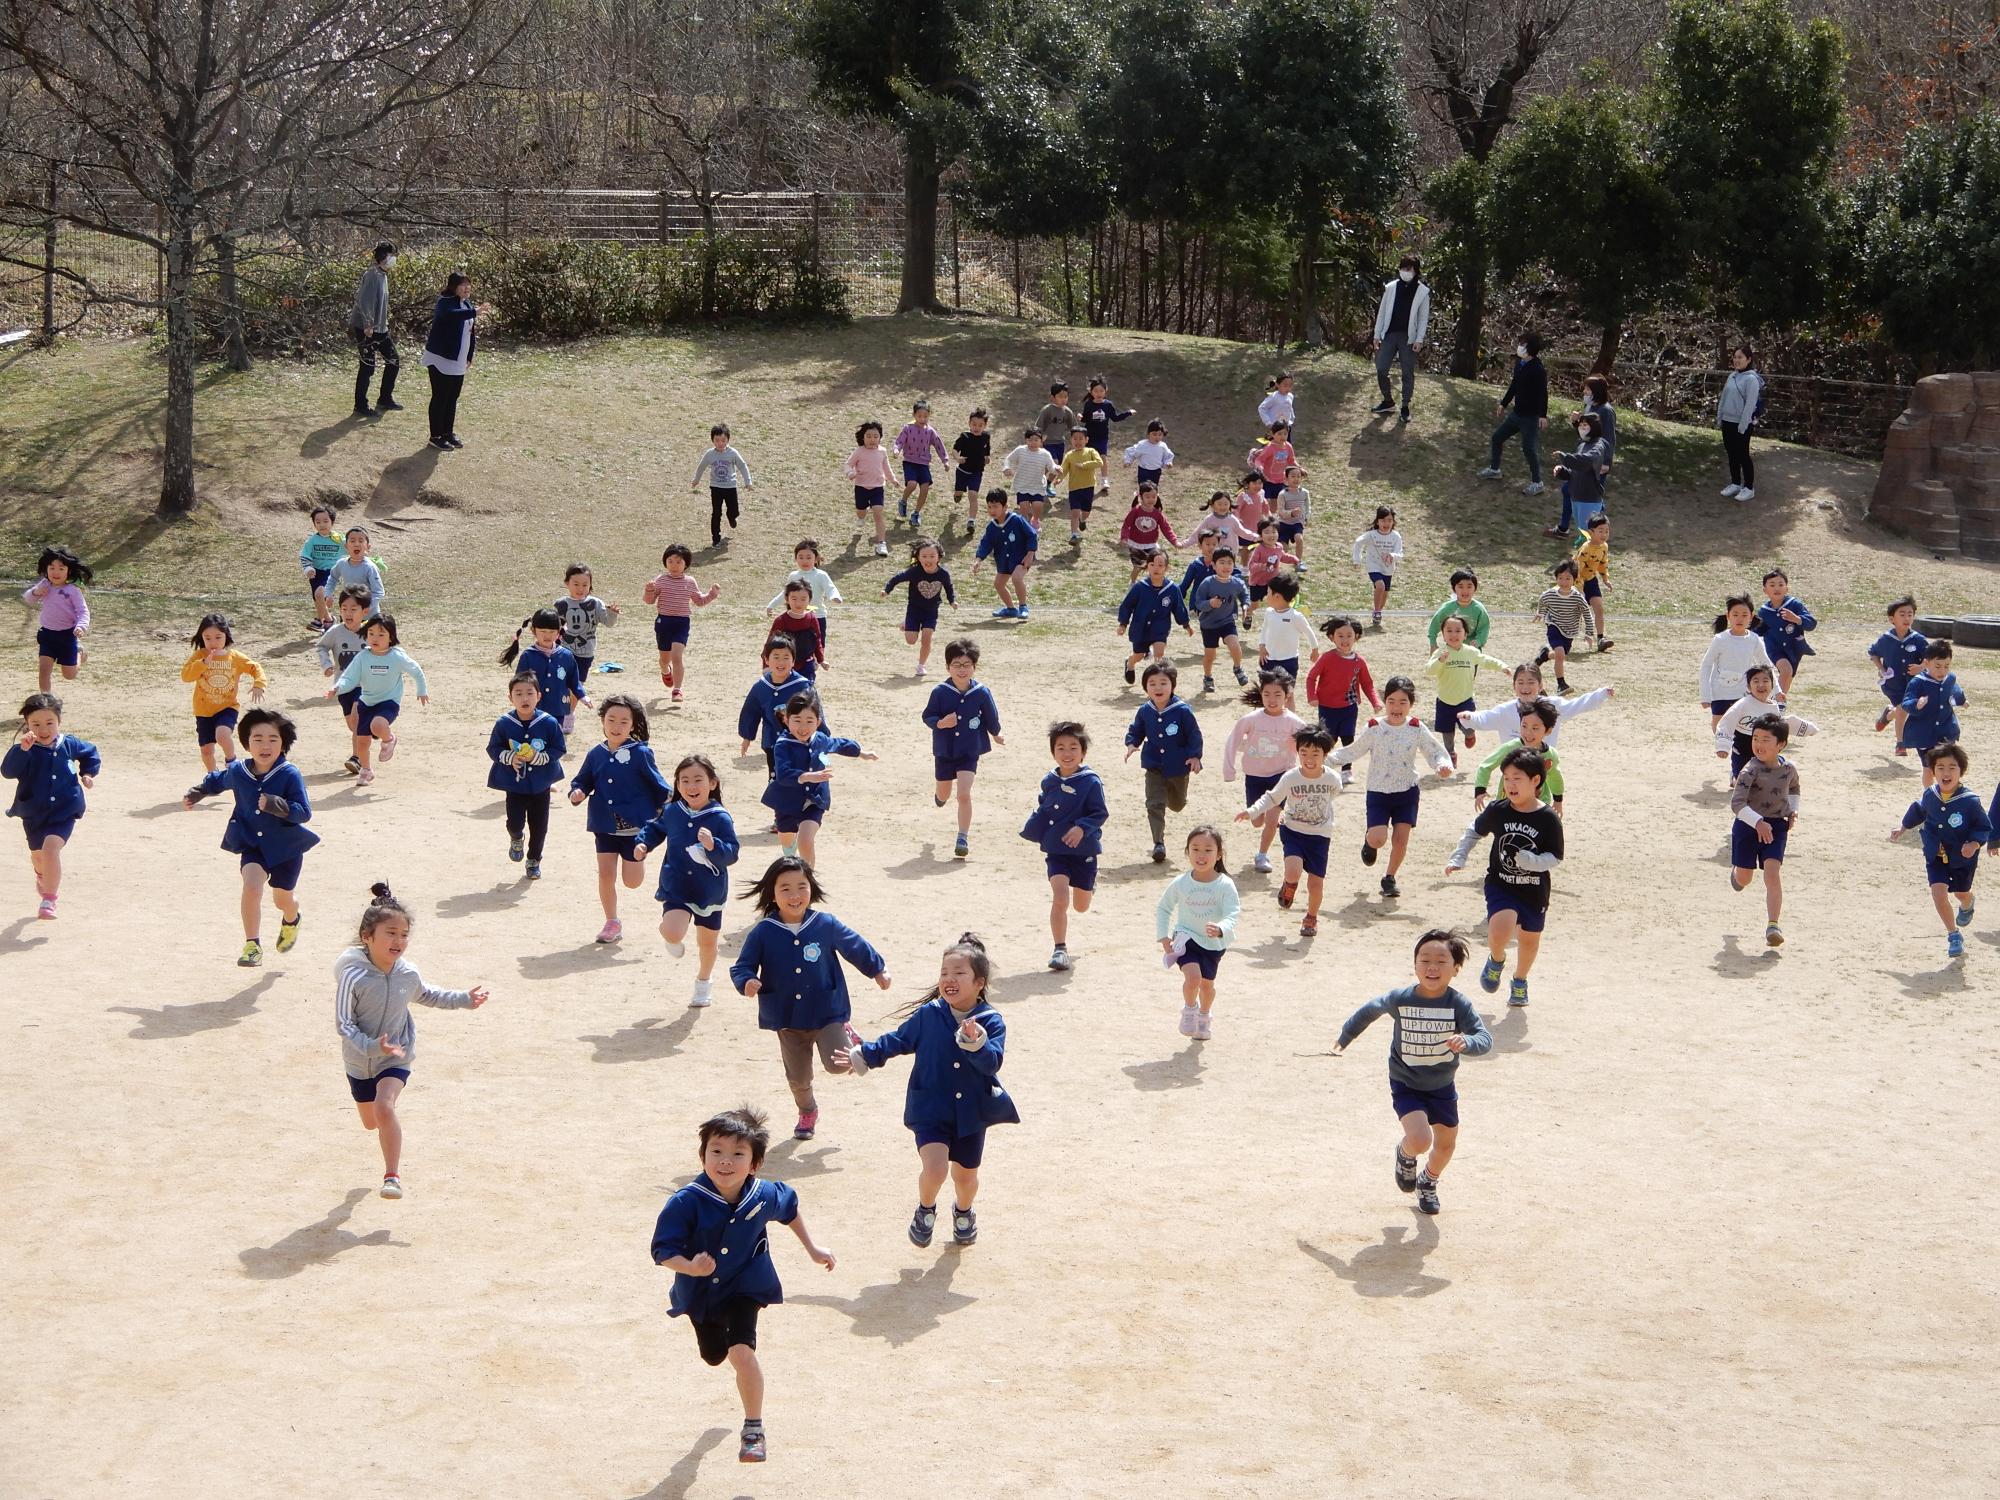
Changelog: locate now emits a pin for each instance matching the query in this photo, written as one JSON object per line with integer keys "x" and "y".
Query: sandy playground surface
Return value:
{"x": 1720, "y": 1222}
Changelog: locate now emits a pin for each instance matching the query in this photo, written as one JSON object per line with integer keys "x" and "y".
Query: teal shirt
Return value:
{"x": 320, "y": 553}
{"x": 1477, "y": 622}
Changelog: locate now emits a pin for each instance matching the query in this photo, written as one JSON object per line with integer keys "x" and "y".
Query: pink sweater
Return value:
{"x": 868, "y": 467}
{"x": 1263, "y": 742}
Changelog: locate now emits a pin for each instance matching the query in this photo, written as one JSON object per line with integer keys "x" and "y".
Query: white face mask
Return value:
{"x": 1520, "y": 351}
{"x": 388, "y": 262}
{"x": 1407, "y": 275}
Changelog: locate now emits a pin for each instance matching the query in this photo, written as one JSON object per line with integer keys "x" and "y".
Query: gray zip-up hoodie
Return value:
{"x": 371, "y": 302}
{"x": 1737, "y": 405}
{"x": 369, "y": 1005}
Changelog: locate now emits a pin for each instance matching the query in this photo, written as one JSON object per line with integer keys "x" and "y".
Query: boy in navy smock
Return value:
{"x": 697, "y": 841}
{"x": 790, "y": 965}
{"x": 1898, "y": 654}
{"x": 1068, "y": 826}
{"x": 626, "y": 791}
{"x": 715, "y": 1236}
{"x": 1167, "y": 733}
{"x": 524, "y": 752}
{"x": 1011, "y": 541}
{"x": 965, "y": 724}
{"x": 1955, "y": 829}
{"x": 1783, "y": 620}
{"x": 1148, "y": 612}
{"x": 1435, "y": 1026}
{"x": 52, "y": 771}
{"x": 1930, "y": 704}
{"x": 763, "y": 714}
{"x": 959, "y": 1042}
{"x": 266, "y": 827}
{"x": 800, "y": 791}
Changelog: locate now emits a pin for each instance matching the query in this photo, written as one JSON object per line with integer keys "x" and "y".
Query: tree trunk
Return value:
{"x": 1308, "y": 282}
{"x": 1145, "y": 283}
{"x": 235, "y": 351}
{"x": 920, "y": 219}
{"x": 707, "y": 206}
{"x": 1069, "y": 283}
{"x": 177, "y": 467}
{"x": 1471, "y": 314}
{"x": 1607, "y": 348}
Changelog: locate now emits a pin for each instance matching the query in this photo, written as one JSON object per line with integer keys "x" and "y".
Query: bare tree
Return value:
{"x": 222, "y": 120}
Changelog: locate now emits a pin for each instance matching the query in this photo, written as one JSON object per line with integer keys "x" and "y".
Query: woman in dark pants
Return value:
{"x": 448, "y": 355}
{"x": 1736, "y": 413}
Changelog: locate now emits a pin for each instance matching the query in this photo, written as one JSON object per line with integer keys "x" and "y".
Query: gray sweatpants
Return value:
{"x": 1162, "y": 793}
{"x": 797, "y": 1049}
{"x": 1396, "y": 346}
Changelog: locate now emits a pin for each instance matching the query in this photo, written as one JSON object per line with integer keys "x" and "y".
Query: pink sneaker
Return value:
{"x": 388, "y": 749}
{"x": 46, "y": 911}
{"x": 808, "y": 1122}
{"x": 364, "y": 776}
{"x": 610, "y": 932}
{"x": 677, "y": 695}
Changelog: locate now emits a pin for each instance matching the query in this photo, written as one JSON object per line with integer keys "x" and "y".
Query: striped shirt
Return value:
{"x": 673, "y": 596}
{"x": 1565, "y": 612}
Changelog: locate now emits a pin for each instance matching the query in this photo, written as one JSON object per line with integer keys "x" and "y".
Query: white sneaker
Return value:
{"x": 703, "y": 995}
{"x": 1261, "y": 863}
{"x": 1190, "y": 1021}
{"x": 392, "y": 1187}
{"x": 1488, "y": 474}
{"x": 1745, "y": 494}
{"x": 1533, "y": 488}
{"x": 676, "y": 949}
{"x": 881, "y": 549}
{"x": 1061, "y": 960}
{"x": 1204, "y": 1027}
{"x": 1731, "y": 491}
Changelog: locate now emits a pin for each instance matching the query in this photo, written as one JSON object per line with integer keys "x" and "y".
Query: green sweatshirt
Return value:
{"x": 1478, "y": 624}
{"x": 1552, "y": 785}
{"x": 1454, "y": 671}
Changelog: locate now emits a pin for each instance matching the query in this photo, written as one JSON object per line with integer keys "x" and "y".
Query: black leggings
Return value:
{"x": 720, "y": 500}
{"x": 1742, "y": 467}
{"x": 529, "y": 810}
{"x": 444, "y": 401}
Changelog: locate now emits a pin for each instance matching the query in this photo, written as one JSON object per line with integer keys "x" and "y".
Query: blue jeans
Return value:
{"x": 1531, "y": 442}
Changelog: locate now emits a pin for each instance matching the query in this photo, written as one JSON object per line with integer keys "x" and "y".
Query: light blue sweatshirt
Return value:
{"x": 380, "y": 677}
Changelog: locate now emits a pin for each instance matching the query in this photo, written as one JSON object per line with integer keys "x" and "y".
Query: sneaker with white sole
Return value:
{"x": 1406, "y": 1171}
{"x": 808, "y": 1123}
{"x": 517, "y": 848}
{"x": 392, "y": 1186}
{"x": 1744, "y": 495}
{"x": 1532, "y": 487}
{"x": 1517, "y": 992}
{"x": 675, "y": 950}
{"x": 1774, "y": 936}
{"x": 923, "y": 1224}
{"x": 751, "y": 1448}
{"x": 1731, "y": 491}
{"x": 1061, "y": 961}
{"x": 964, "y": 1225}
{"x": 364, "y": 777}
{"x": 45, "y": 910}
{"x": 703, "y": 997}
{"x": 1427, "y": 1193}
{"x": 610, "y": 932}
{"x": 388, "y": 749}
{"x": 1190, "y": 1019}
{"x": 1204, "y": 1028}
{"x": 1488, "y": 473}
{"x": 1261, "y": 862}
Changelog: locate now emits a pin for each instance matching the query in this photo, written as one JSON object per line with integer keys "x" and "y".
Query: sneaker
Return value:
{"x": 703, "y": 996}
{"x": 1076, "y": 539}
{"x": 903, "y": 509}
{"x": 1882, "y": 721}
{"x": 352, "y": 765}
{"x": 1369, "y": 853}
{"x": 676, "y": 950}
{"x": 677, "y": 695}
{"x": 251, "y": 956}
{"x": 1542, "y": 656}
{"x": 392, "y": 1186}
{"x": 808, "y": 1123}
{"x": 1605, "y": 643}
{"x": 1006, "y": 612}
{"x": 881, "y": 549}
{"x": 1023, "y": 614}
{"x": 1406, "y": 1171}
{"x": 1310, "y": 926}
{"x": 517, "y": 848}
{"x": 610, "y": 932}
{"x": 1190, "y": 1019}
{"x": 1131, "y": 676}
{"x": 1964, "y": 915}
{"x": 1488, "y": 472}
{"x": 1390, "y": 888}
{"x": 923, "y": 1224}
{"x": 1731, "y": 491}
{"x": 1378, "y": 619}
{"x": 1954, "y": 945}
{"x": 45, "y": 910}
{"x": 388, "y": 403}
{"x": 1346, "y": 776}
{"x": 1261, "y": 863}
{"x": 288, "y": 933}
{"x": 1427, "y": 1193}
{"x": 455, "y": 440}
{"x": 388, "y": 750}
{"x": 1489, "y": 977}
{"x": 1159, "y": 854}
{"x": 363, "y": 409}
{"x": 1061, "y": 961}
{"x": 1517, "y": 992}
{"x": 751, "y": 1449}
{"x": 1243, "y": 677}
{"x": 1286, "y": 893}
{"x": 1532, "y": 487}
{"x": 1560, "y": 533}
{"x": 1745, "y": 495}
{"x": 1404, "y": 419}
{"x": 1382, "y": 408}
{"x": 1208, "y": 684}
{"x": 916, "y": 519}
{"x": 1204, "y": 1028}
{"x": 1563, "y": 687}
{"x": 365, "y": 776}
{"x": 969, "y": 527}
{"x": 960, "y": 849}
{"x": 923, "y": 669}
{"x": 1774, "y": 936}
{"x": 964, "y": 1225}
{"x": 443, "y": 445}
{"x": 534, "y": 869}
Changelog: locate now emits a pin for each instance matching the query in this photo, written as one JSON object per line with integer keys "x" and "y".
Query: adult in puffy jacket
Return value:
{"x": 448, "y": 352}
{"x": 1736, "y": 414}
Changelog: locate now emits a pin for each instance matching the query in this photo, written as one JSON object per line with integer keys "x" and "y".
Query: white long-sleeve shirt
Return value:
{"x": 1307, "y": 801}
{"x": 1736, "y": 719}
{"x": 1148, "y": 454}
{"x": 1504, "y": 719}
{"x": 1032, "y": 469}
{"x": 824, "y": 589}
{"x": 1286, "y": 635}
{"x": 1188, "y": 906}
{"x": 1392, "y": 751}
{"x": 1378, "y": 551}
{"x": 1728, "y": 657}
{"x": 1278, "y": 406}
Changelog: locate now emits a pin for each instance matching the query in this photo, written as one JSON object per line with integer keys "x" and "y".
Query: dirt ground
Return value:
{"x": 1720, "y": 1222}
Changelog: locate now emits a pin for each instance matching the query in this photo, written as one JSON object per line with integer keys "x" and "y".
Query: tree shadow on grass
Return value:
{"x": 171, "y": 1022}
{"x": 1394, "y": 1268}
{"x": 904, "y": 1310}
{"x": 687, "y": 1468}
{"x": 317, "y": 1244}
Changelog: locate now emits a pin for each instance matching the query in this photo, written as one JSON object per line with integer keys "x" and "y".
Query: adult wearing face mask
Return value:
{"x": 1528, "y": 394}
{"x": 448, "y": 355}
{"x": 1402, "y": 319}
{"x": 368, "y": 323}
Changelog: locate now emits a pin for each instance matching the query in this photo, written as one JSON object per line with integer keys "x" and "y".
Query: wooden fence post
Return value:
{"x": 661, "y": 196}
{"x": 957, "y": 299}
{"x": 815, "y": 233}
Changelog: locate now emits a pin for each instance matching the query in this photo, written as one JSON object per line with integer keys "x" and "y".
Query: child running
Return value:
{"x": 373, "y": 989}
{"x": 1339, "y": 680}
{"x": 217, "y": 670}
{"x": 339, "y": 646}
{"x": 266, "y": 827}
{"x": 697, "y": 841}
{"x": 928, "y": 581}
{"x": 1732, "y": 733}
{"x": 1082, "y": 476}
{"x": 1454, "y": 666}
{"x": 1150, "y": 455}
{"x": 320, "y": 551}
{"x": 525, "y": 749}
{"x": 965, "y": 724}
{"x": 1392, "y": 745}
{"x": 868, "y": 468}
{"x": 1148, "y": 612}
{"x": 1593, "y": 571}
{"x": 356, "y": 569}
{"x": 1733, "y": 651}
{"x": 819, "y": 583}
{"x": 974, "y": 448}
{"x": 1377, "y": 551}
{"x": 1194, "y": 922}
{"x": 951, "y": 1032}
{"x": 1263, "y": 740}
{"x": 1527, "y": 844}
{"x": 64, "y": 617}
{"x": 1463, "y": 604}
{"x": 1011, "y": 541}
{"x": 790, "y": 965}
{"x": 1144, "y": 526}
{"x": 51, "y": 771}
{"x": 800, "y": 791}
{"x": 1215, "y": 602}
{"x": 675, "y": 595}
{"x": 1783, "y": 620}
{"x": 1285, "y": 639}
{"x": 1099, "y": 412}
{"x": 1170, "y": 735}
{"x": 1765, "y": 801}
{"x": 721, "y": 463}
{"x": 1563, "y": 610}
{"x": 1504, "y": 719}
{"x": 1898, "y": 654}
{"x": 1265, "y": 562}
{"x": 1301, "y": 804}
{"x": 1538, "y": 726}
{"x": 551, "y": 664}
{"x": 1929, "y": 705}
{"x": 762, "y": 718}
{"x": 582, "y": 612}
{"x": 1032, "y": 467}
{"x": 1068, "y": 826}
{"x": 1955, "y": 829}
{"x": 626, "y": 792}
{"x": 376, "y": 677}
{"x": 804, "y": 629}
{"x": 1294, "y": 511}
{"x": 1435, "y": 1025}
{"x": 918, "y": 445}
{"x": 715, "y": 1236}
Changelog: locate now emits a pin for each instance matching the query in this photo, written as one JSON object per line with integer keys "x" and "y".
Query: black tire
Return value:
{"x": 1982, "y": 632}
{"x": 1935, "y": 627}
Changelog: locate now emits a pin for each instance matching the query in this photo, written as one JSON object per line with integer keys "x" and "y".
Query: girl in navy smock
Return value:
{"x": 626, "y": 791}
{"x": 697, "y": 841}
{"x": 552, "y": 664}
{"x": 790, "y": 965}
{"x": 524, "y": 753}
{"x": 53, "y": 771}
{"x": 267, "y": 827}
{"x": 964, "y": 722}
{"x": 959, "y": 1042}
{"x": 800, "y": 792}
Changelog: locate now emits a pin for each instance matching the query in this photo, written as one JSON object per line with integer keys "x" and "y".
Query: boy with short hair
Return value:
{"x": 1068, "y": 826}
{"x": 1055, "y": 420}
{"x": 1217, "y": 600}
{"x": 721, "y": 463}
{"x": 1955, "y": 828}
{"x": 1302, "y": 802}
{"x": 1765, "y": 801}
{"x": 1082, "y": 474}
{"x": 974, "y": 448}
{"x": 1294, "y": 510}
{"x": 1898, "y": 654}
{"x": 1170, "y": 735}
{"x": 1478, "y": 624}
{"x": 1286, "y": 634}
{"x": 1593, "y": 567}
{"x": 1928, "y": 704}
{"x": 1527, "y": 845}
{"x": 1011, "y": 541}
{"x": 714, "y": 1235}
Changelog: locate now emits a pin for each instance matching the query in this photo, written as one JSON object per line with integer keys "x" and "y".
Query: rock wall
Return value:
{"x": 1940, "y": 479}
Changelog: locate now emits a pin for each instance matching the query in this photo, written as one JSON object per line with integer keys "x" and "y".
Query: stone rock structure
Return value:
{"x": 1940, "y": 480}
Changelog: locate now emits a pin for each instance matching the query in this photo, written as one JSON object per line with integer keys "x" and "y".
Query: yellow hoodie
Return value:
{"x": 215, "y": 681}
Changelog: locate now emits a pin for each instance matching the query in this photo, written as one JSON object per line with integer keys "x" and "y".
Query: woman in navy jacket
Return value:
{"x": 448, "y": 352}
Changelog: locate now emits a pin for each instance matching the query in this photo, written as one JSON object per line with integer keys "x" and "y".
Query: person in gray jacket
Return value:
{"x": 368, "y": 324}
{"x": 1736, "y": 414}
{"x": 1402, "y": 320}
{"x": 373, "y": 990}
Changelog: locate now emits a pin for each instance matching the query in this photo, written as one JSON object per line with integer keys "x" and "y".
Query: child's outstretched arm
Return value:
{"x": 819, "y": 1253}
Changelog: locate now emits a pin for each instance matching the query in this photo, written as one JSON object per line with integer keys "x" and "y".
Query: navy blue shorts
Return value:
{"x": 318, "y": 580}
{"x": 1144, "y": 641}
{"x": 1290, "y": 531}
{"x": 1385, "y": 808}
{"x": 1288, "y": 665}
{"x": 1149, "y": 476}
{"x": 205, "y": 725}
{"x": 1273, "y": 488}
{"x": 672, "y": 898}
{"x": 1080, "y": 501}
{"x": 1339, "y": 722}
{"x": 788, "y": 822}
{"x": 1956, "y": 878}
{"x": 1212, "y": 636}
{"x": 867, "y": 499}
{"x": 1256, "y": 786}
{"x": 368, "y": 714}
{"x": 363, "y": 1089}
{"x": 1080, "y": 870}
{"x": 920, "y": 616}
{"x": 1384, "y": 579}
{"x": 1445, "y": 715}
{"x": 961, "y": 1150}
{"x": 347, "y": 700}
{"x": 1592, "y": 589}
{"x": 1498, "y": 899}
{"x": 620, "y": 844}
{"x": 1439, "y": 1106}
{"x": 1892, "y": 689}
{"x": 1204, "y": 961}
{"x": 583, "y": 666}
{"x": 916, "y": 473}
{"x": 1720, "y": 706}
{"x": 59, "y": 646}
{"x": 1310, "y": 849}
{"x": 949, "y": 766}
{"x": 1258, "y": 591}
{"x": 670, "y": 631}
{"x": 1747, "y": 853}
{"x": 39, "y": 832}
{"x": 1558, "y": 641}
{"x": 283, "y": 876}
{"x": 967, "y": 480}
{"x": 735, "y": 1322}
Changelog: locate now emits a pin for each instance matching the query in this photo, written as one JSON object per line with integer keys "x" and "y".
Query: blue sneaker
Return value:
{"x": 1489, "y": 977}
{"x": 1024, "y": 612}
{"x": 1517, "y": 992}
{"x": 1954, "y": 945}
{"x": 960, "y": 849}
{"x": 1965, "y": 916}
{"x": 1009, "y": 613}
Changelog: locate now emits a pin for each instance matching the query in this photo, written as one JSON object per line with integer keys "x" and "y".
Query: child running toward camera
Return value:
{"x": 1732, "y": 652}
{"x": 1898, "y": 654}
{"x": 1732, "y": 732}
{"x": 317, "y": 555}
{"x": 1527, "y": 844}
{"x": 64, "y": 614}
{"x": 721, "y": 464}
{"x": 819, "y": 583}
{"x": 1955, "y": 829}
{"x": 965, "y": 724}
{"x": 1169, "y": 736}
{"x": 928, "y": 581}
{"x": 1011, "y": 541}
{"x": 1194, "y": 923}
{"x": 1082, "y": 477}
{"x": 266, "y": 827}
{"x": 1464, "y": 605}
{"x": 1215, "y": 602}
{"x": 1504, "y": 719}
{"x": 373, "y": 989}
{"x": 1377, "y": 551}
{"x": 217, "y": 670}
{"x": 697, "y": 841}
{"x": 626, "y": 791}
{"x": 804, "y": 629}
{"x": 1301, "y": 804}
{"x": 1148, "y": 612}
{"x": 868, "y": 468}
{"x": 1454, "y": 666}
{"x": 762, "y": 718}
{"x": 1144, "y": 527}
{"x": 1783, "y": 620}
{"x": 1593, "y": 571}
{"x": 957, "y": 1041}
{"x": 800, "y": 792}
{"x": 918, "y": 445}
{"x": 1393, "y": 745}
{"x": 356, "y": 569}
{"x": 1765, "y": 802}
{"x": 1538, "y": 727}
{"x": 51, "y": 771}
{"x": 1032, "y": 467}
{"x": 1265, "y": 561}
{"x": 525, "y": 749}
{"x": 375, "y": 676}
{"x": 1150, "y": 455}
{"x": 675, "y": 595}
{"x": 1068, "y": 826}
{"x": 338, "y": 646}
{"x": 974, "y": 448}
{"x": 1263, "y": 740}
{"x": 1339, "y": 680}
{"x": 551, "y": 664}
{"x": 1294, "y": 512}
{"x": 1930, "y": 705}
{"x": 582, "y": 612}
{"x": 1285, "y": 640}
{"x": 1563, "y": 610}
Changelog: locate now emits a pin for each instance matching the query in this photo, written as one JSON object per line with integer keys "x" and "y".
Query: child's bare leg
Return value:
{"x": 1190, "y": 985}
{"x": 1270, "y": 833}
{"x": 1561, "y": 662}
{"x": 1774, "y": 889}
{"x": 1021, "y": 586}
{"x": 923, "y": 499}
{"x": 1059, "y": 895}
{"x": 964, "y": 1185}
{"x": 934, "y": 1165}
{"x": 1205, "y": 995}
{"x": 1417, "y": 1133}
{"x": 704, "y": 952}
{"x": 1295, "y": 868}
{"x": 208, "y": 757}
{"x": 808, "y": 838}
{"x": 1235, "y": 651}
{"x": 674, "y": 925}
{"x": 1001, "y": 583}
{"x": 633, "y": 873}
{"x": 363, "y": 747}
{"x": 1941, "y": 899}
{"x": 1315, "y": 890}
{"x": 1597, "y": 616}
{"x": 287, "y": 903}
{"x": 1785, "y": 671}
{"x": 45, "y": 666}
{"x": 1208, "y": 661}
{"x": 69, "y": 672}
{"x": 1526, "y": 947}
{"x": 607, "y": 885}
{"x": 1444, "y": 1141}
{"x": 1499, "y": 928}
{"x": 680, "y": 664}
{"x": 253, "y": 900}
{"x": 388, "y": 1125}
{"x": 1381, "y": 596}
{"x": 749, "y": 1381}
{"x": 1399, "y": 845}
{"x": 1902, "y": 718}
{"x": 225, "y": 741}
{"x": 881, "y": 524}
{"x": 964, "y": 803}
{"x": 48, "y": 866}
{"x": 924, "y": 646}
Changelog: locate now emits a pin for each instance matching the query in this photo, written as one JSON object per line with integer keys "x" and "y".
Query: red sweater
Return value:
{"x": 1334, "y": 678}
{"x": 1145, "y": 526}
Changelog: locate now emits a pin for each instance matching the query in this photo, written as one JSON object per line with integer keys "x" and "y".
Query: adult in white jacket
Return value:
{"x": 1402, "y": 319}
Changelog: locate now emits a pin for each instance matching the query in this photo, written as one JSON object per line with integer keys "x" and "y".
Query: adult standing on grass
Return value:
{"x": 1528, "y": 394}
{"x": 369, "y": 324}
{"x": 1736, "y": 412}
{"x": 448, "y": 355}
{"x": 1402, "y": 319}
